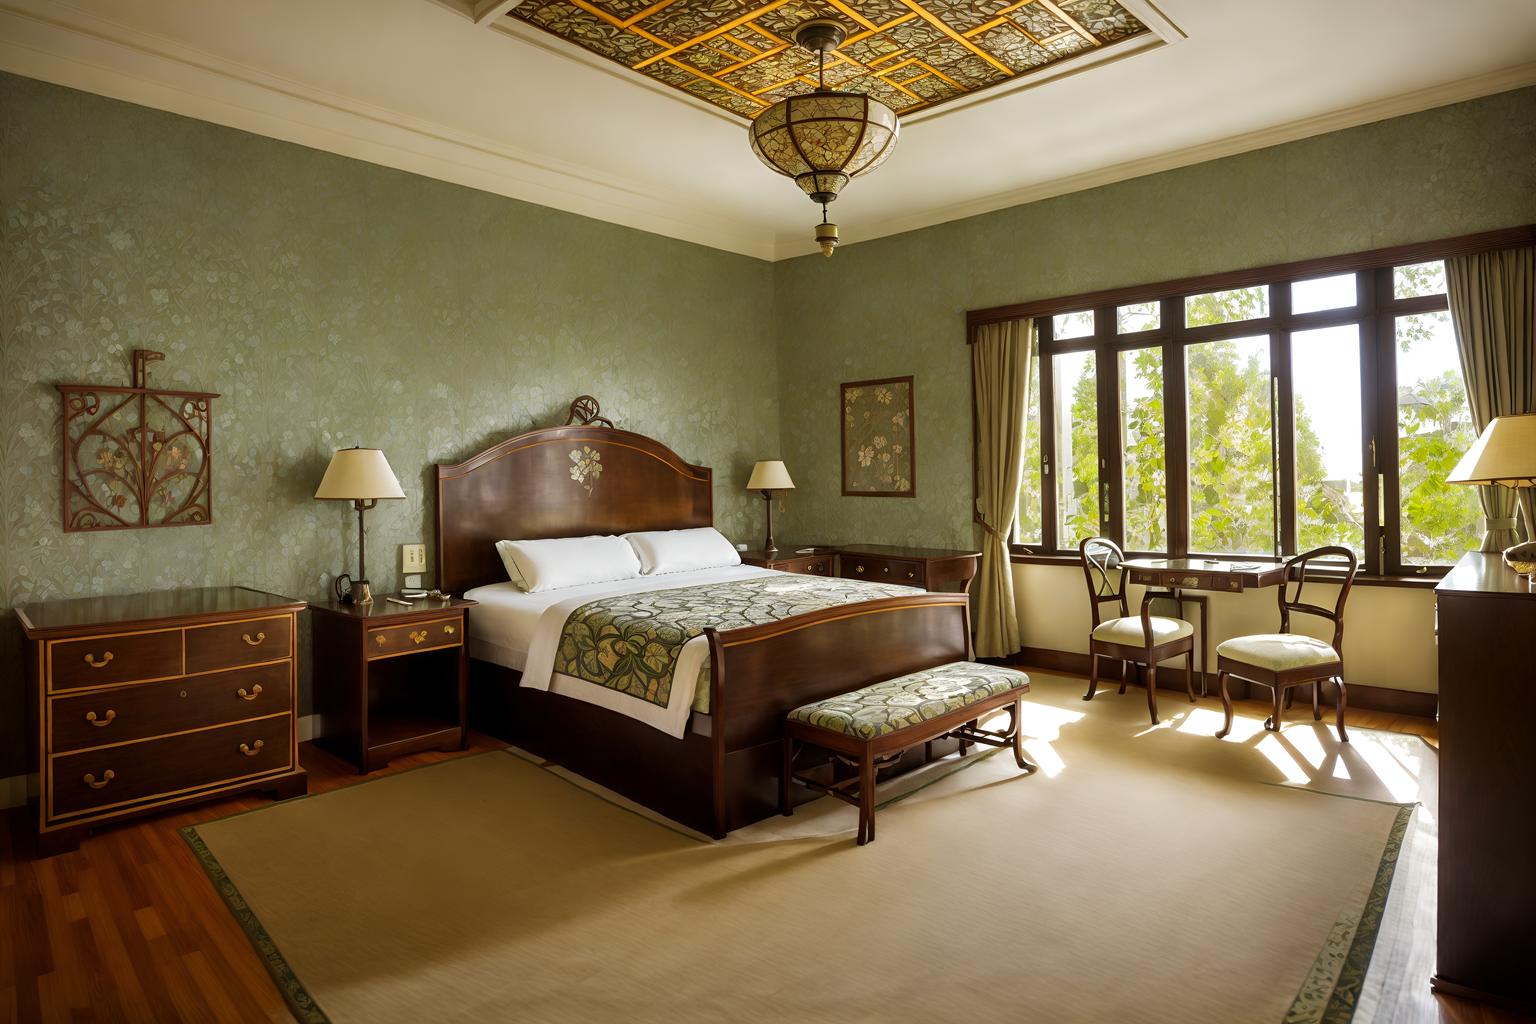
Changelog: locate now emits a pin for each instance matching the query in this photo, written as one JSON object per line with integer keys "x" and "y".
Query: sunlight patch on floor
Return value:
{"x": 1403, "y": 786}
{"x": 1043, "y": 754}
{"x": 1208, "y": 721}
{"x": 1277, "y": 754}
{"x": 1044, "y": 722}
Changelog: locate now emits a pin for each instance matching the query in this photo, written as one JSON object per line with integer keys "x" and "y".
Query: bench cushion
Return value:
{"x": 909, "y": 700}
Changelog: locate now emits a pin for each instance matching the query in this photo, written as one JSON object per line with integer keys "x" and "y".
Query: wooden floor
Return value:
{"x": 128, "y": 928}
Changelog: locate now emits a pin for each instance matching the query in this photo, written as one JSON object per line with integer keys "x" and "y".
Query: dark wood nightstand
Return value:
{"x": 390, "y": 680}
{"x": 822, "y": 562}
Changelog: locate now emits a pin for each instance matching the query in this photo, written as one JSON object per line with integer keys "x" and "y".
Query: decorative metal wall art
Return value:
{"x": 136, "y": 456}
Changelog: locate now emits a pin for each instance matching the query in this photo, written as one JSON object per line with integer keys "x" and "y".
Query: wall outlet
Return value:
{"x": 413, "y": 558}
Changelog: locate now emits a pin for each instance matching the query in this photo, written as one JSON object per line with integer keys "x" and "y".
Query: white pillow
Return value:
{"x": 664, "y": 551}
{"x": 539, "y": 565}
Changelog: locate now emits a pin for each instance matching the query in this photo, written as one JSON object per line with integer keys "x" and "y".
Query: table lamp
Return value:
{"x": 1505, "y": 454}
{"x": 361, "y": 476}
{"x": 769, "y": 477}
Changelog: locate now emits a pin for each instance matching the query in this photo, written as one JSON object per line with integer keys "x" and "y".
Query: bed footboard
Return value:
{"x": 760, "y": 673}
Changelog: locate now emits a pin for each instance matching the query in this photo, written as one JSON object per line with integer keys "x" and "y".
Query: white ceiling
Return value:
{"x": 417, "y": 84}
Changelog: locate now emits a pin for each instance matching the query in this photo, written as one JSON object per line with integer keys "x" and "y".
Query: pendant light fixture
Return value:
{"x": 824, "y": 137}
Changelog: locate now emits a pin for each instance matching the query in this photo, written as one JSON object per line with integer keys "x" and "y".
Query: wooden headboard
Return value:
{"x": 569, "y": 481}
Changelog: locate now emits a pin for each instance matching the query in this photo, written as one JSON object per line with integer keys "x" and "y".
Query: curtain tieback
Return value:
{"x": 1507, "y": 523}
{"x": 988, "y": 527}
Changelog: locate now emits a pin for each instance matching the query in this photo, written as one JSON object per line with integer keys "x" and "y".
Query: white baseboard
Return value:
{"x": 15, "y": 789}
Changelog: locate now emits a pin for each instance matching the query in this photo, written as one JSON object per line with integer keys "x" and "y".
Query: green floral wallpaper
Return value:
{"x": 896, "y": 305}
{"x": 332, "y": 303}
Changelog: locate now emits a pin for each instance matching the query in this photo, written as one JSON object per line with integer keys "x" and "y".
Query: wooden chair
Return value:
{"x": 1140, "y": 640}
{"x": 1284, "y": 660}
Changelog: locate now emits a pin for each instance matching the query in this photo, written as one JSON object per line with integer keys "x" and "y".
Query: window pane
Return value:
{"x": 1325, "y": 381}
{"x": 1077, "y": 447}
{"x": 1226, "y": 307}
{"x": 1027, "y": 529}
{"x": 1323, "y": 293}
{"x": 1231, "y": 451}
{"x": 1143, "y": 316}
{"x": 1419, "y": 279}
{"x": 1072, "y": 325}
{"x": 1141, "y": 443}
{"x": 1434, "y": 428}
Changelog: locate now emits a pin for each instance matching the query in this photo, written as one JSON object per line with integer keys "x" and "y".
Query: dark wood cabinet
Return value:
{"x": 1487, "y": 908}
{"x": 390, "y": 680}
{"x": 148, "y": 701}
{"x": 924, "y": 568}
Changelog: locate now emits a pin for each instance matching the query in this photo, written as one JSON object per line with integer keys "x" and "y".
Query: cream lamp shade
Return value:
{"x": 1504, "y": 454}
{"x": 359, "y": 474}
{"x": 770, "y": 476}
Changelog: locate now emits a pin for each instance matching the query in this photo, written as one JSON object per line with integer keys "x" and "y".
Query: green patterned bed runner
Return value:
{"x": 631, "y": 642}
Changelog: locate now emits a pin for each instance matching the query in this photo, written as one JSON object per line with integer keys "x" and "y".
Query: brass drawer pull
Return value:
{"x": 1191, "y": 581}
{"x": 858, "y": 568}
{"x": 90, "y": 659}
{"x": 106, "y": 777}
{"x": 380, "y": 639}
{"x": 103, "y": 722}
{"x": 885, "y": 568}
{"x": 254, "y": 643}
{"x": 911, "y": 574}
{"x": 255, "y": 692}
{"x": 419, "y": 637}
{"x": 449, "y": 630}
{"x": 251, "y": 751}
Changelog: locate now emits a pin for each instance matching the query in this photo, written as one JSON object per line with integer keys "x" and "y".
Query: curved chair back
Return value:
{"x": 1296, "y": 572}
{"x": 1102, "y": 560}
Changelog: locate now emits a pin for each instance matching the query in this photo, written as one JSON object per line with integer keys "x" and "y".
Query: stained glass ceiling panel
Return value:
{"x": 910, "y": 54}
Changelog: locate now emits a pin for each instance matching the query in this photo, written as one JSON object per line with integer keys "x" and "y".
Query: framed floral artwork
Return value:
{"x": 879, "y": 438}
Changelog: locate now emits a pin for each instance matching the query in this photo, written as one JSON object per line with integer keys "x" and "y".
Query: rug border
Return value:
{"x": 1344, "y": 992}
{"x": 300, "y": 1002}
{"x": 293, "y": 990}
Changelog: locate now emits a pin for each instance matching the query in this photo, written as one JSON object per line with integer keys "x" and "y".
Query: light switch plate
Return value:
{"x": 413, "y": 582}
{"x": 413, "y": 558}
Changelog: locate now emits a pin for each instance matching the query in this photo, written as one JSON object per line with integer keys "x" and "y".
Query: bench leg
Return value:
{"x": 866, "y": 799}
{"x": 786, "y": 777}
{"x": 1017, "y": 728}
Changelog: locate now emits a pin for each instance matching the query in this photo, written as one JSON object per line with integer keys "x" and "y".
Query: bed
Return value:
{"x": 709, "y": 758}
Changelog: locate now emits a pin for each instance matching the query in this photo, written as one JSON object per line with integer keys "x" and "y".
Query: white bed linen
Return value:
{"x": 522, "y": 631}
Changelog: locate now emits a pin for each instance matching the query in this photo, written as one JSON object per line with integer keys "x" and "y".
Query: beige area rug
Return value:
{"x": 1144, "y": 874}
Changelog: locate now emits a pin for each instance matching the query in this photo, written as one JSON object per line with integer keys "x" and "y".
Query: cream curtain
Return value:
{"x": 1493, "y": 308}
{"x": 1000, "y": 373}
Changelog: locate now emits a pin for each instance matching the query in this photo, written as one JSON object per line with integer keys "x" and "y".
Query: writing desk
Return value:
{"x": 1169, "y": 578}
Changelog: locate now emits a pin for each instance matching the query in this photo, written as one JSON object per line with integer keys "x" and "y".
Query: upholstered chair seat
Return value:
{"x": 1127, "y": 630}
{"x": 1278, "y": 652}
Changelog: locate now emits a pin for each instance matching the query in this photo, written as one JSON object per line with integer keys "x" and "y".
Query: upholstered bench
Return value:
{"x": 873, "y": 727}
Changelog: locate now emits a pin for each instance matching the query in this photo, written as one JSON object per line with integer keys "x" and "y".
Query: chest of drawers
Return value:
{"x": 142, "y": 702}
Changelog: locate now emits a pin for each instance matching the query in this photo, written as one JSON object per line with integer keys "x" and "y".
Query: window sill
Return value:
{"x": 1414, "y": 582}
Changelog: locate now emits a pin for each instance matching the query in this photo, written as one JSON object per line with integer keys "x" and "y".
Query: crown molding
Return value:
{"x": 55, "y": 43}
{"x": 1517, "y": 77}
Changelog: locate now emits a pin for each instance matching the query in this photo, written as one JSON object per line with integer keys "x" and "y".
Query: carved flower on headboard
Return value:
{"x": 588, "y": 466}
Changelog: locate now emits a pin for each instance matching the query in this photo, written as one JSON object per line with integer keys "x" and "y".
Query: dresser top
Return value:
{"x": 1480, "y": 572}
{"x": 899, "y": 551}
{"x": 160, "y": 607}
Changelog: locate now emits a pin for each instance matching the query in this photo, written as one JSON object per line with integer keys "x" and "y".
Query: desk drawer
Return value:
{"x": 883, "y": 570}
{"x": 176, "y": 705}
{"x": 120, "y": 658}
{"x": 415, "y": 636}
{"x": 231, "y": 644}
{"x": 171, "y": 764}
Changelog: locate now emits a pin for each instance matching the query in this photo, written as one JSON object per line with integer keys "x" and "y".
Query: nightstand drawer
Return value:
{"x": 806, "y": 565}
{"x": 120, "y": 658}
{"x": 416, "y": 636}
{"x": 883, "y": 570}
{"x": 109, "y": 776}
{"x": 154, "y": 709}
{"x": 231, "y": 644}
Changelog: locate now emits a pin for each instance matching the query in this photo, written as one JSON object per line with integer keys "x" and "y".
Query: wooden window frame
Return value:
{"x": 1375, "y": 314}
